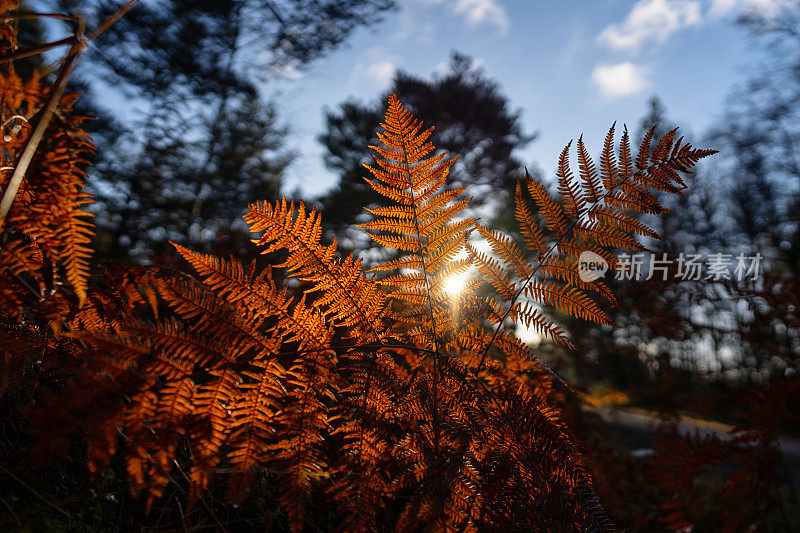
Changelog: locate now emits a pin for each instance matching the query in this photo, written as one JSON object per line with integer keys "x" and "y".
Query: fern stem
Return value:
{"x": 437, "y": 355}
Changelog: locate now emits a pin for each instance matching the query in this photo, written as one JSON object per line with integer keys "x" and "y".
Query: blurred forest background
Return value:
{"x": 691, "y": 360}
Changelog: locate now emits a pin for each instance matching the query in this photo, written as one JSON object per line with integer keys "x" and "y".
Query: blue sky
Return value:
{"x": 572, "y": 66}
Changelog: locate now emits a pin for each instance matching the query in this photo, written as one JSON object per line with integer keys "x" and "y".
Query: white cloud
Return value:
{"x": 413, "y": 24}
{"x": 442, "y": 67}
{"x": 479, "y": 12}
{"x": 657, "y": 20}
{"x": 374, "y": 67}
{"x": 651, "y": 20}
{"x": 290, "y": 72}
{"x": 419, "y": 20}
{"x": 623, "y": 79}
{"x": 380, "y": 72}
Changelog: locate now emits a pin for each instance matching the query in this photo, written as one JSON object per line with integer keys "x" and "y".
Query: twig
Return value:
{"x": 60, "y": 85}
{"x": 110, "y": 21}
{"x": 202, "y": 501}
{"x": 25, "y": 284}
{"x": 38, "y": 49}
{"x": 27, "y": 15}
{"x": 32, "y": 491}
{"x": 183, "y": 517}
{"x": 11, "y": 510}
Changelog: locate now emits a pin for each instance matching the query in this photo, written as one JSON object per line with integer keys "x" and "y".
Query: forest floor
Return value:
{"x": 637, "y": 427}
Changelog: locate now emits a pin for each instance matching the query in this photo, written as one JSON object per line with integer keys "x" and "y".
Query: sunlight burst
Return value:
{"x": 455, "y": 283}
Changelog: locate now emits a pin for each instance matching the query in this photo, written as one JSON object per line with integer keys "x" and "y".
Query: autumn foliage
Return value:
{"x": 45, "y": 245}
{"x": 379, "y": 391}
{"x": 381, "y": 395}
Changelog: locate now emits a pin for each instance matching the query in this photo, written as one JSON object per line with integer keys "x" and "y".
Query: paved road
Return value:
{"x": 639, "y": 425}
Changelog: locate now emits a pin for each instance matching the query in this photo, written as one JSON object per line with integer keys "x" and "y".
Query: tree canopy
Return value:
{"x": 473, "y": 119}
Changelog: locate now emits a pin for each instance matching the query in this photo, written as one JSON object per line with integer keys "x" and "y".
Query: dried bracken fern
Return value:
{"x": 45, "y": 237}
{"x": 48, "y": 211}
{"x": 404, "y": 404}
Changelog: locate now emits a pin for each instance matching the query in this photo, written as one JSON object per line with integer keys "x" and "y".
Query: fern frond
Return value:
{"x": 608, "y": 168}
{"x": 610, "y": 216}
{"x": 503, "y": 247}
{"x": 48, "y": 206}
{"x": 423, "y": 224}
{"x": 567, "y": 300}
{"x": 551, "y": 210}
{"x": 644, "y": 149}
{"x": 494, "y": 272}
{"x": 574, "y": 202}
{"x": 525, "y": 313}
{"x": 254, "y": 423}
{"x": 348, "y": 298}
{"x": 257, "y": 292}
{"x": 210, "y": 427}
{"x": 565, "y": 270}
{"x": 207, "y": 315}
{"x": 605, "y": 236}
{"x": 528, "y": 226}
